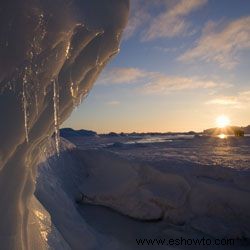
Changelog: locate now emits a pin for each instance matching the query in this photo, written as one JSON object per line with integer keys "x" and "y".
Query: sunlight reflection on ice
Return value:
{"x": 222, "y": 136}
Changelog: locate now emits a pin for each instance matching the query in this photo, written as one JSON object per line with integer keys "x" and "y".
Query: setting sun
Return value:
{"x": 222, "y": 121}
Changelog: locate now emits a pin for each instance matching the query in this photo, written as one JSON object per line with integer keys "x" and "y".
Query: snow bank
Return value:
{"x": 147, "y": 193}
{"x": 50, "y": 55}
{"x": 200, "y": 200}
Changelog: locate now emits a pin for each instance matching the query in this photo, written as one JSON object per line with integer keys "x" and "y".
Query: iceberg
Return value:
{"x": 51, "y": 53}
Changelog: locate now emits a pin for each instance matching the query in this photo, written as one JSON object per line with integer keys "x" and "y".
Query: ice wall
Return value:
{"x": 51, "y": 52}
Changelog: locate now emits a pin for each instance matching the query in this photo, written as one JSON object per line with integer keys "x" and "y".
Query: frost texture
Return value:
{"x": 50, "y": 55}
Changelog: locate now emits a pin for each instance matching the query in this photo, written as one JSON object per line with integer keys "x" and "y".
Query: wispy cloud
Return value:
{"x": 156, "y": 82}
{"x": 113, "y": 103}
{"x": 224, "y": 100}
{"x": 245, "y": 96}
{"x": 121, "y": 76}
{"x": 167, "y": 49}
{"x": 170, "y": 22}
{"x": 173, "y": 21}
{"x": 139, "y": 15}
{"x": 163, "y": 84}
{"x": 240, "y": 100}
{"x": 221, "y": 44}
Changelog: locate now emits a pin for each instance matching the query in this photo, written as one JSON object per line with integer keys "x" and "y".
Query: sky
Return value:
{"x": 182, "y": 64}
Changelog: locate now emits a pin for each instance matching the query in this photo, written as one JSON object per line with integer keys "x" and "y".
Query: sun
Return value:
{"x": 222, "y": 121}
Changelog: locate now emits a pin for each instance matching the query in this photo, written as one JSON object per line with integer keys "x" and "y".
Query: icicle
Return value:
{"x": 36, "y": 100}
{"x": 68, "y": 51}
{"x": 97, "y": 59}
{"x": 73, "y": 90}
{"x": 56, "y": 122}
{"x": 83, "y": 96}
{"x": 25, "y": 104}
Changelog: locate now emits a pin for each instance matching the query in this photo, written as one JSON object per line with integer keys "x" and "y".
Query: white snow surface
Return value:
{"x": 211, "y": 203}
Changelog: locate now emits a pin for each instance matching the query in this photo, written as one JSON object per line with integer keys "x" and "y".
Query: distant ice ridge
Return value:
{"x": 215, "y": 203}
{"x": 50, "y": 55}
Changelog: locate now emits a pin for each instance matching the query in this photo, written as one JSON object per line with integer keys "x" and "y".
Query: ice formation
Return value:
{"x": 50, "y": 55}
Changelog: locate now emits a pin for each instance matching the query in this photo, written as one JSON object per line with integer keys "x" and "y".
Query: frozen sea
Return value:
{"x": 230, "y": 152}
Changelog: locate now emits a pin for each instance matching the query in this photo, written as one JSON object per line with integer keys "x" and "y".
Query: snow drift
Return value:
{"x": 213, "y": 203}
{"x": 50, "y": 55}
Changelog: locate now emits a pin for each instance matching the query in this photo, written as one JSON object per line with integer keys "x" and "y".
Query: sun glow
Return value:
{"x": 222, "y": 136}
{"x": 222, "y": 121}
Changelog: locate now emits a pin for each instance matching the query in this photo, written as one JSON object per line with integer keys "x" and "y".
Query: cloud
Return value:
{"x": 113, "y": 103}
{"x": 221, "y": 45}
{"x": 156, "y": 82}
{"x": 163, "y": 84}
{"x": 166, "y": 49}
{"x": 245, "y": 96}
{"x": 173, "y": 22}
{"x": 170, "y": 22}
{"x": 139, "y": 14}
{"x": 224, "y": 100}
{"x": 121, "y": 76}
{"x": 240, "y": 100}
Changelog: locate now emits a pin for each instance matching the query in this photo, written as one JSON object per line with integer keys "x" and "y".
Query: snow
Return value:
{"x": 209, "y": 203}
{"x": 57, "y": 189}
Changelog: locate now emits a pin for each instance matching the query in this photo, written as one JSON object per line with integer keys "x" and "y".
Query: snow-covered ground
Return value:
{"x": 104, "y": 192}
